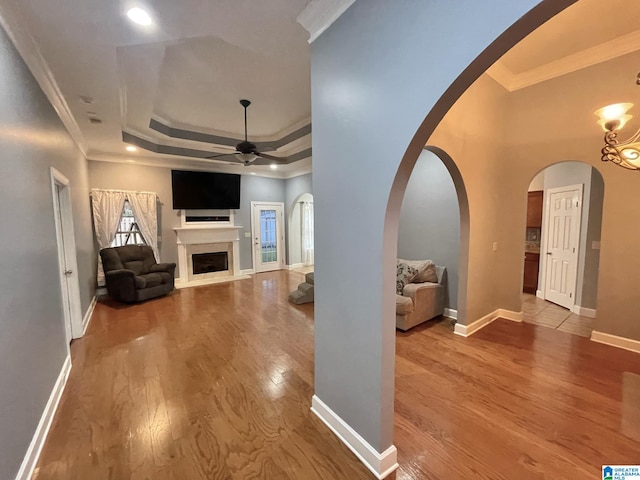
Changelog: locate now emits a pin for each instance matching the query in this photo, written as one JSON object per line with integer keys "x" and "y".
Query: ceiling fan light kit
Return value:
{"x": 246, "y": 157}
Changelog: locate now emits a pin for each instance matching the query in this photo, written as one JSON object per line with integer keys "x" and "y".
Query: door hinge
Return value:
{"x": 574, "y": 249}
{"x": 570, "y": 295}
{"x": 577, "y": 204}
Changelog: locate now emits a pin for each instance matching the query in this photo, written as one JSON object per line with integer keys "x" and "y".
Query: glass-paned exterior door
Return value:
{"x": 268, "y": 236}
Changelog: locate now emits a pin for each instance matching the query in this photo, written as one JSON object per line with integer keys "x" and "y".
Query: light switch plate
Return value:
{"x": 247, "y": 234}
{"x": 595, "y": 245}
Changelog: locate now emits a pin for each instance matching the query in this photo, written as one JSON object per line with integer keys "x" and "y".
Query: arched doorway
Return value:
{"x": 376, "y": 72}
{"x": 301, "y": 231}
{"x": 562, "y": 247}
{"x": 434, "y": 225}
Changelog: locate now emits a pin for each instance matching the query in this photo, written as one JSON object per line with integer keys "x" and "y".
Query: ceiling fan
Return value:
{"x": 247, "y": 152}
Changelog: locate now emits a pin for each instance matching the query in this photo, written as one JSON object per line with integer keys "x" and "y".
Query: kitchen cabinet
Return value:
{"x": 531, "y": 265}
{"x": 534, "y": 210}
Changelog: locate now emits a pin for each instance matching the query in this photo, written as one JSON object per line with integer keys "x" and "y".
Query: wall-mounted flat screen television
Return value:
{"x": 205, "y": 190}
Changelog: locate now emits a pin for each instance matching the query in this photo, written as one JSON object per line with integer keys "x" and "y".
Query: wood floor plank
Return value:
{"x": 216, "y": 383}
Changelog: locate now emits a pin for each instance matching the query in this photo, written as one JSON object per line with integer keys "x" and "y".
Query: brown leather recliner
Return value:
{"x": 132, "y": 274}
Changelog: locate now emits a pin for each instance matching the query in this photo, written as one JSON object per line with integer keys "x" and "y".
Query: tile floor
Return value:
{"x": 547, "y": 314}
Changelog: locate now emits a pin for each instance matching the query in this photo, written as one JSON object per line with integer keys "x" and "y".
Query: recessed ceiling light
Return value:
{"x": 252, "y": 173}
{"x": 139, "y": 16}
{"x": 131, "y": 148}
{"x": 274, "y": 166}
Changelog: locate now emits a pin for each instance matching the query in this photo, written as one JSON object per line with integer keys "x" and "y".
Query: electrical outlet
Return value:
{"x": 495, "y": 246}
{"x": 595, "y": 245}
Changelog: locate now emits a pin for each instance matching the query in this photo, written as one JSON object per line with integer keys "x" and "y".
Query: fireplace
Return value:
{"x": 208, "y": 252}
{"x": 209, "y": 262}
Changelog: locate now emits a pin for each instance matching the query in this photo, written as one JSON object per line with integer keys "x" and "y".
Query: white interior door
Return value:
{"x": 267, "y": 226}
{"x": 69, "y": 286}
{"x": 564, "y": 211}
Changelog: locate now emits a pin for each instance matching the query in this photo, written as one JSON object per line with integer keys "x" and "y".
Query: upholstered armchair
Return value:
{"x": 132, "y": 274}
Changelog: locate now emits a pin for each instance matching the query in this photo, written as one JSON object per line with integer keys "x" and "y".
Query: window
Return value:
{"x": 128, "y": 232}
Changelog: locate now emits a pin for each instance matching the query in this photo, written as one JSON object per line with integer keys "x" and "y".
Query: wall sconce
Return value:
{"x": 612, "y": 119}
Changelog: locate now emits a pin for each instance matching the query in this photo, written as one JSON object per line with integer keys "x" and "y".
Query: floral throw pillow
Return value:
{"x": 426, "y": 270}
{"x": 405, "y": 273}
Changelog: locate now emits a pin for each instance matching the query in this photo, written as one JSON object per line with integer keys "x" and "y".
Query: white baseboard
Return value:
{"x": 88, "y": 314}
{"x": 473, "y": 327}
{"x": 583, "y": 312}
{"x": 248, "y": 271}
{"x": 450, "y": 313}
{"x": 466, "y": 330}
{"x": 295, "y": 265}
{"x": 615, "y": 341}
{"x": 40, "y": 435}
{"x": 510, "y": 315}
{"x": 539, "y": 294}
{"x": 380, "y": 464}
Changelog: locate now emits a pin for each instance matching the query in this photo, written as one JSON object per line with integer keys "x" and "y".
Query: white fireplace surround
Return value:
{"x": 207, "y": 238}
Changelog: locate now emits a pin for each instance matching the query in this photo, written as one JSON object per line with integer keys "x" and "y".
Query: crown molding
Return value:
{"x": 32, "y": 57}
{"x": 501, "y": 74}
{"x": 571, "y": 63}
{"x": 320, "y": 15}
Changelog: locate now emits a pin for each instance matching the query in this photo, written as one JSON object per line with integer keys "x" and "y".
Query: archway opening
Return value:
{"x": 301, "y": 232}
{"x": 562, "y": 247}
{"x": 433, "y": 242}
{"x": 499, "y": 137}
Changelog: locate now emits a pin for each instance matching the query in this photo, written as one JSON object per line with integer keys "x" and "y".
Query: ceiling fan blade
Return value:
{"x": 220, "y": 155}
{"x": 272, "y": 157}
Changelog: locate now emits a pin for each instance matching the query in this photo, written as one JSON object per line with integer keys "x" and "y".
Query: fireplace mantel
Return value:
{"x": 209, "y": 234}
{"x": 215, "y": 235}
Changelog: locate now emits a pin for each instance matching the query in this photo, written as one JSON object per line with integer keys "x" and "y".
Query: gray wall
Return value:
{"x": 32, "y": 343}
{"x": 578, "y": 173}
{"x": 254, "y": 189}
{"x": 377, "y": 72}
{"x": 293, "y": 188}
{"x": 127, "y": 176}
{"x": 430, "y": 220}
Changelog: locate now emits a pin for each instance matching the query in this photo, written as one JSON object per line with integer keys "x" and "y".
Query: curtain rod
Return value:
{"x": 117, "y": 190}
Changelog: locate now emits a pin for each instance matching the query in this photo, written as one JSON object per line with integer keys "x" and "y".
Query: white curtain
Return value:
{"x": 307, "y": 233}
{"x": 144, "y": 206}
{"x": 107, "y": 208}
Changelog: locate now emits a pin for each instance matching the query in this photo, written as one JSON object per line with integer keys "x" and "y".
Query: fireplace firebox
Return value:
{"x": 209, "y": 262}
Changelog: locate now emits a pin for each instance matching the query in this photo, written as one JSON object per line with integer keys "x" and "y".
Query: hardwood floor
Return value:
{"x": 513, "y": 401}
{"x": 208, "y": 383}
{"x": 216, "y": 382}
